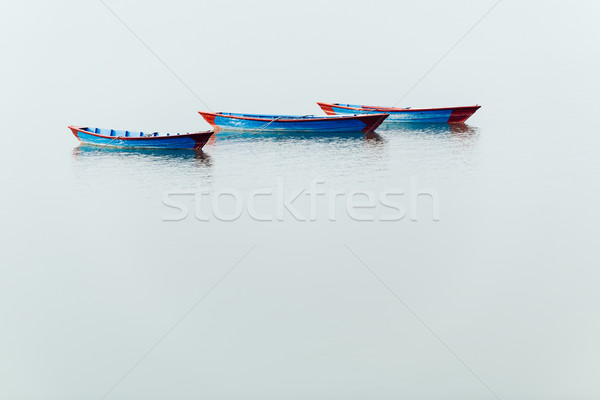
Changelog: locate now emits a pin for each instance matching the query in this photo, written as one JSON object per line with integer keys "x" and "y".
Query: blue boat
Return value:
{"x": 294, "y": 123}
{"x": 135, "y": 139}
{"x": 450, "y": 115}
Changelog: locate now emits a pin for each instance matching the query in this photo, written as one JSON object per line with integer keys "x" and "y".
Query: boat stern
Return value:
{"x": 327, "y": 108}
{"x": 75, "y": 130}
{"x": 461, "y": 114}
{"x": 201, "y": 138}
{"x": 208, "y": 117}
{"x": 372, "y": 121}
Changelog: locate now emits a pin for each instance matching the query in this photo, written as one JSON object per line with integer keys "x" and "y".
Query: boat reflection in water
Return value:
{"x": 462, "y": 132}
{"x": 436, "y": 128}
{"x": 168, "y": 157}
{"x": 293, "y": 136}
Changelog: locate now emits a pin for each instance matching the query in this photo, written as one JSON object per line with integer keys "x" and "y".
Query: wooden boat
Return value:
{"x": 134, "y": 139}
{"x": 449, "y": 115}
{"x": 294, "y": 123}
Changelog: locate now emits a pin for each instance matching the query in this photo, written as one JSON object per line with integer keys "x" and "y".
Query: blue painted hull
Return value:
{"x": 420, "y": 115}
{"x": 290, "y": 124}
{"x": 416, "y": 116}
{"x": 296, "y": 136}
{"x": 308, "y": 126}
{"x": 139, "y": 140}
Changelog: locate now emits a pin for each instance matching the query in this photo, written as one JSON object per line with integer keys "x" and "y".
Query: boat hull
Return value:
{"x": 138, "y": 140}
{"x": 450, "y": 115}
{"x": 286, "y": 123}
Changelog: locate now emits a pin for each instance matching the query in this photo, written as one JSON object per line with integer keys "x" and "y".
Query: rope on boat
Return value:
{"x": 273, "y": 120}
{"x": 106, "y": 144}
{"x": 264, "y": 126}
{"x": 257, "y": 132}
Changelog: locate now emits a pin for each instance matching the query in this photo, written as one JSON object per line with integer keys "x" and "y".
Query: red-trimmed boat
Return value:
{"x": 295, "y": 123}
{"x": 136, "y": 139}
{"x": 450, "y": 115}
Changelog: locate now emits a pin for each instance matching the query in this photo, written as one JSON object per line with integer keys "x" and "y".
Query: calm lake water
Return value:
{"x": 97, "y": 271}
{"x": 422, "y": 262}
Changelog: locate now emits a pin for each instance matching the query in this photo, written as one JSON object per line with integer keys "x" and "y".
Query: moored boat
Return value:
{"x": 136, "y": 139}
{"x": 429, "y": 115}
{"x": 295, "y": 123}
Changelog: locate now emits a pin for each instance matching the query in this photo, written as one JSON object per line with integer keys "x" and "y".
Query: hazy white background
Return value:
{"x": 75, "y": 59}
{"x": 91, "y": 277}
